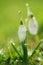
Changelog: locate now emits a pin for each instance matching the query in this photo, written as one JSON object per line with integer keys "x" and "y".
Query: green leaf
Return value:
{"x": 38, "y": 45}
{"x": 25, "y": 53}
{"x": 16, "y": 51}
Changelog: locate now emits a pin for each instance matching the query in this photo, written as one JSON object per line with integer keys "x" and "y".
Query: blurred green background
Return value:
{"x": 9, "y": 18}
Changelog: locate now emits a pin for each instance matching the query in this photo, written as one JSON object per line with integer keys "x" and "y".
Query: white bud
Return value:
{"x": 33, "y": 26}
{"x": 22, "y": 33}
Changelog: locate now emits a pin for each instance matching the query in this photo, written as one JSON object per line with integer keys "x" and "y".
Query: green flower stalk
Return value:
{"x": 25, "y": 53}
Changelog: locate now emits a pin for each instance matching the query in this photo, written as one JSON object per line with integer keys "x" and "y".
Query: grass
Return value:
{"x": 9, "y": 17}
{"x": 22, "y": 58}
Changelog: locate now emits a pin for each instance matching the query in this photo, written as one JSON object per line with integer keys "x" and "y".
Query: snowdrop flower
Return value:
{"x": 33, "y": 25}
{"x": 22, "y": 32}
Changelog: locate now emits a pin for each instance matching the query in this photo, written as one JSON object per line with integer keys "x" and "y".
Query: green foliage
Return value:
{"x": 8, "y": 29}
{"x": 23, "y": 59}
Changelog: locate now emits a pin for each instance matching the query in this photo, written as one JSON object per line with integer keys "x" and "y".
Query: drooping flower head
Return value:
{"x": 22, "y": 29}
{"x": 33, "y": 25}
{"x": 22, "y": 32}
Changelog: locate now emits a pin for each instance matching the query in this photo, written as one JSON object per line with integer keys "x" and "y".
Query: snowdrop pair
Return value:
{"x": 32, "y": 26}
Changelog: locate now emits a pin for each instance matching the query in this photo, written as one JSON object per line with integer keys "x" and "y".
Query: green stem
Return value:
{"x": 25, "y": 54}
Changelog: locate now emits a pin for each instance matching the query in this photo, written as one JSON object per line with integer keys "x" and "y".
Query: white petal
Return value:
{"x": 22, "y": 33}
{"x": 33, "y": 26}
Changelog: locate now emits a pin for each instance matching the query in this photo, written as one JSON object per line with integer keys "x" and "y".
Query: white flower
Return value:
{"x": 33, "y": 26}
{"x": 22, "y": 33}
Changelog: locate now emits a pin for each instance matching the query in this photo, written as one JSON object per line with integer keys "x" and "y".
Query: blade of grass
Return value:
{"x": 16, "y": 51}
{"x": 36, "y": 48}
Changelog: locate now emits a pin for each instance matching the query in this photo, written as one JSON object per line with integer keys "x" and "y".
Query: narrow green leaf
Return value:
{"x": 36, "y": 48}
{"x": 25, "y": 53}
{"x": 16, "y": 50}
